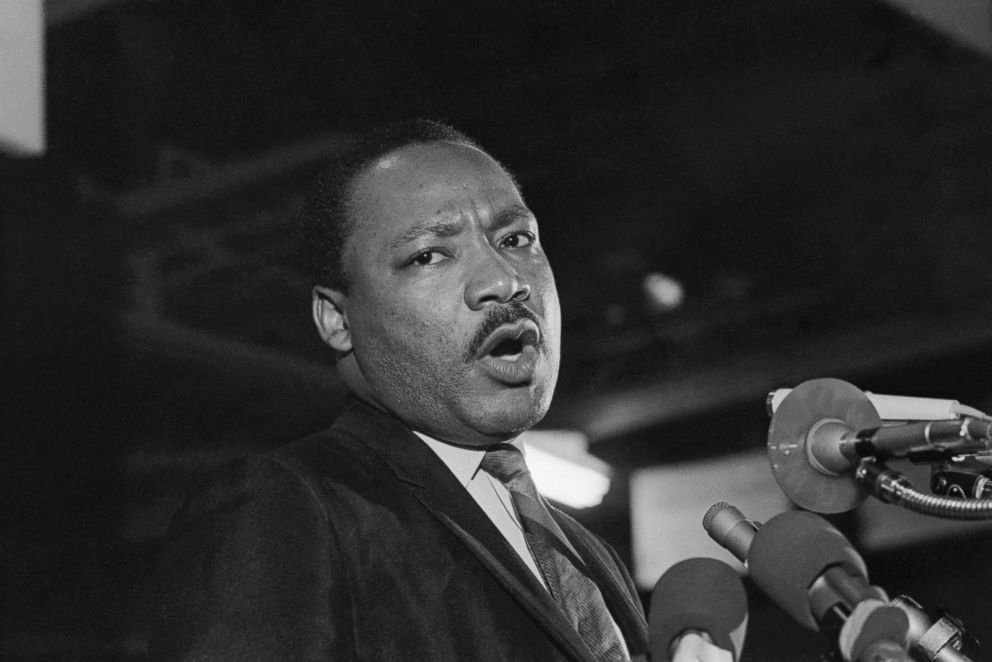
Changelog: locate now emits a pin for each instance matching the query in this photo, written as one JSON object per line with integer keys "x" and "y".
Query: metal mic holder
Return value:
{"x": 828, "y": 447}
{"x": 963, "y": 484}
{"x": 939, "y": 641}
{"x": 891, "y": 486}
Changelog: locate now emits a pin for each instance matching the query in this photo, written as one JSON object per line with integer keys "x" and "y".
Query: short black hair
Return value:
{"x": 324, "y": 222}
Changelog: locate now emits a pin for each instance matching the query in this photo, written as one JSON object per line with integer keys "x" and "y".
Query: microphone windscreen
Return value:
{"x": 791, "y": 551}
{"x": 698, "y": 594}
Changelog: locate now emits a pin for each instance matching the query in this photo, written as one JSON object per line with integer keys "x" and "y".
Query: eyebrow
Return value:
{"x": 512, "y": 214}
{"x": 448, "y": 227}
{"x": 440, "y": 228}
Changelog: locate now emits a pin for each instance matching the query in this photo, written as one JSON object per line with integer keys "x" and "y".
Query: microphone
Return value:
{"x": 814, "y": 574}
{"x": 698, "y": 595}
{"x": 824, "y": 428}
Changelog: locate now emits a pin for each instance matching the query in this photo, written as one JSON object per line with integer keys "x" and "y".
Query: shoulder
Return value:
{"x": 272, "y": 503}
{"x": 251, "y": 565}
{"x": 360, "y": 446}
{"x": 305, "y": 473}
{"x": 250, "y": 498}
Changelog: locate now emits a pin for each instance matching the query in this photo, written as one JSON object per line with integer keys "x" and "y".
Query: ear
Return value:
{"x": 330, "y": 316}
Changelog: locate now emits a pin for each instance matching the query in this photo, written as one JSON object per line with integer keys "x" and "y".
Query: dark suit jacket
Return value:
{"x": 358, "y": 543}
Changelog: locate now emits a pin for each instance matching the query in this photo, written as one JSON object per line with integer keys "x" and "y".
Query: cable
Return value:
{"x": 893, "y": 487}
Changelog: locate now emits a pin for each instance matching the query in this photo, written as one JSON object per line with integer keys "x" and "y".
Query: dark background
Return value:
{"x": 818, "y": 175}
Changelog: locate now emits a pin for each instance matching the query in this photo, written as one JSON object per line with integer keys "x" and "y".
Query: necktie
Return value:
{"x": 565, "y": 574}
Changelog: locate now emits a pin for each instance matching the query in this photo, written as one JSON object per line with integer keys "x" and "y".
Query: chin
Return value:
{"x": 513, "y": 412}
{"x": 502, "y": 428}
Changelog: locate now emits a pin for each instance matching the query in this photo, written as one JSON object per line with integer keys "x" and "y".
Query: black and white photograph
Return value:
{"x": 552, "y": 331}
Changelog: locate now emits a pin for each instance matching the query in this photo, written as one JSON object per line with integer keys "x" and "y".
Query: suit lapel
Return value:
{"x": 615, "y": 587}
{"x": 433, "y": 485}
{"x": 532, "y": 597}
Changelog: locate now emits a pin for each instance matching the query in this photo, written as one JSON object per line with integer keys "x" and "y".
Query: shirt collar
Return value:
{"x": 462, "y": 461}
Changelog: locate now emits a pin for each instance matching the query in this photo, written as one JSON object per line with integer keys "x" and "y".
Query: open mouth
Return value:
{"x": 510, "y": 353}
{"x": 509, "y": 341}
{"x": 508, "y": 349}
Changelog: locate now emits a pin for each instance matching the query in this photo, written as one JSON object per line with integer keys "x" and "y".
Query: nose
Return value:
{"x": 493, "y": 279}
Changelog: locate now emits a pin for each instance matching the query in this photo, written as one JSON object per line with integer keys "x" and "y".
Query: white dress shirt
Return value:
{"x": 493, "y": 497}
{"x": 489, "y": 492}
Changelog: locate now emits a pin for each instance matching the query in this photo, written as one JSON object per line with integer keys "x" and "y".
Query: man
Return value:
{"x": 410, "y": 529}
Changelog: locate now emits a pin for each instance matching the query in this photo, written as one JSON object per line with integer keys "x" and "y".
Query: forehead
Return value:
{"x": 428, "y": 180}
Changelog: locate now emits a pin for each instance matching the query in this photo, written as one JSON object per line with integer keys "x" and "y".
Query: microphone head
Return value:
{"x": 698, "y": 594}
{"x": 790, "y": 551}
{"x": 730, "y": 529}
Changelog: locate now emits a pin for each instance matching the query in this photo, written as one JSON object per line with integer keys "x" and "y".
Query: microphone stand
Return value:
{"x": 826, "y": 432}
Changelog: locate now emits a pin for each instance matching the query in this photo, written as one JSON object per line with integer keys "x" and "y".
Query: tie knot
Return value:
{"x": 504, "y": 462}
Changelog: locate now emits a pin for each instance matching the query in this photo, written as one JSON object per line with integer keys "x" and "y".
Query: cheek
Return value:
{"x": 550, "y": 305}
{"x": 407, "y": 325}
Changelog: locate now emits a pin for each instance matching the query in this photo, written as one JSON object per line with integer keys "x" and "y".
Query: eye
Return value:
{"x": 427, "y": 258}
{"x": 517, "y": 240}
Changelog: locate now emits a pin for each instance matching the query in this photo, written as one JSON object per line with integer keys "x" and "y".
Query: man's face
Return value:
{"x": 452, "y": 312}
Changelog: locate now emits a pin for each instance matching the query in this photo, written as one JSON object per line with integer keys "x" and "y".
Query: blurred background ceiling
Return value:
{"x": 814, "y": 175}
{"x": 810, "y": 182}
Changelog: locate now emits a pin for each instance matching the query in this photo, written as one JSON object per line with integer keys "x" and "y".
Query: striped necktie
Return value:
{"x": 564, "y": 573}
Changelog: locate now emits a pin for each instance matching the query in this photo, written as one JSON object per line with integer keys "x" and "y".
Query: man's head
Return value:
{"x": 440, "y": 304}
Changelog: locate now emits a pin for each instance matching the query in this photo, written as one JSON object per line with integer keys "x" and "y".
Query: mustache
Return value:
{"x": 496, "y": 317}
